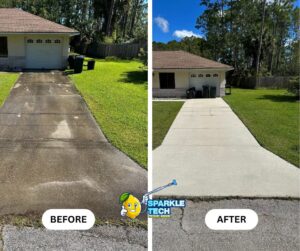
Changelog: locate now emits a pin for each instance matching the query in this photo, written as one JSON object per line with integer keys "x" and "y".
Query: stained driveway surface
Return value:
{"x": 212, "y": 154}
{"x": 53, "y": 154}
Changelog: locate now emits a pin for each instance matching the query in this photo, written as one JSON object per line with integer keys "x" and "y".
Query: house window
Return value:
{"x": 57, "y": 41}
{"x": 29, "y": 41}
{"x": 200, "y": 75}
{"x": 167, "y": 80}
{"x": 193, "y": 75}
{"x": 48, "y": 41}
{"x": 39, "y": 41}
{"x": 207, "y": 75}
{"x": 215, "y": 75}
{"x": 3, "y": 47}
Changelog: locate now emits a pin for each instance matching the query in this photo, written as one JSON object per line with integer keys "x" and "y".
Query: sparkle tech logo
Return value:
{"x": 132, "y": 207}
{"x": 162, "y": 208}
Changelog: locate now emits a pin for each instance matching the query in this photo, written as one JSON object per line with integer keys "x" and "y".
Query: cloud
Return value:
{"x": 185, "y": 33}
{"x": 162, "y": 23}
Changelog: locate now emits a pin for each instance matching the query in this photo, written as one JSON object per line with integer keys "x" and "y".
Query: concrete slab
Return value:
{"x": 98, "y": 238}
{"x": 216, "y": 156}
{"x": 54, "y": 104}
{"x": 43, "y": 89}
{"x": 54, "y": 155}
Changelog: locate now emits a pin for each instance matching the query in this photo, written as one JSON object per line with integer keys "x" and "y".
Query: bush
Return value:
{"x": 294, "y": 86}
{"x": 112, "y": 58}
{"x": 143, "y": 56}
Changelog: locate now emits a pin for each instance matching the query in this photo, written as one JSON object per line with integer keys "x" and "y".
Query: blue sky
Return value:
{"x": 177, "y": 18}
{"x": 181, "y": 16}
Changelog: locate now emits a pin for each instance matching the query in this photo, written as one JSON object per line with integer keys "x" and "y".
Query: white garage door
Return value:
{"x": 197, "y": 80}
{"x": 43, "y": 53}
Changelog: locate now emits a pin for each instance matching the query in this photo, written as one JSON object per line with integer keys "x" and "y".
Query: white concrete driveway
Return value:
{"x": 210, "y": 153}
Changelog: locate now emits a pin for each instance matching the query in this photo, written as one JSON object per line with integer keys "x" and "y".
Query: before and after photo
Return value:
{"x": 149, "y": 125}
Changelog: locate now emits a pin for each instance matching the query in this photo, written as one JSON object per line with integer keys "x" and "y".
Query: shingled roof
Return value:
{"x": 19, "y": 21}
{"x": 184, "y": 60}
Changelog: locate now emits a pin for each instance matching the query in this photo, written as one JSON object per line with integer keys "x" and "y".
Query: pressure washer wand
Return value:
{"x": 146, "y": 195}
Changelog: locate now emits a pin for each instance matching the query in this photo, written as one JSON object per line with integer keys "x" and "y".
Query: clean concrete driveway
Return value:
{"x": 212, "y": 154}
{"x": 53, "y": 154}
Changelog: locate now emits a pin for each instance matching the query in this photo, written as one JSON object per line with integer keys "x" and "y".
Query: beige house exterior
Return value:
{"x": 31, "y": 42}
{"x": 189, "y": 71}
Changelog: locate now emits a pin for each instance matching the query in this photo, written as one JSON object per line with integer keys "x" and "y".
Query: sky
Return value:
{"x": 175, "y": 19}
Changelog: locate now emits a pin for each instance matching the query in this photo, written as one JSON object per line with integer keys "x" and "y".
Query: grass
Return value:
{"x": 164, "y": 113}
{"x": 116, "y": 93}
{"x": 272, "y": 116}
{"x": 35, "y": 220}
{"x": 7, "y": 81}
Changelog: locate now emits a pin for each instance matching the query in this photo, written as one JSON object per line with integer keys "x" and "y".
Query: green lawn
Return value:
{"x": 7, "y": 81}
{"x": 116, "y": 93}
{"x": 164, "y": 113}
{"x": 272, "y": 116}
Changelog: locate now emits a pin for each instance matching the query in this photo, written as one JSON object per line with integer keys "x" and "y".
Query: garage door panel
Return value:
{"x": 43, "y": 54}
{"x": 197, "y": 80}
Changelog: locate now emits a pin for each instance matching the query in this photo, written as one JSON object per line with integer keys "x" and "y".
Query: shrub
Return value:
{"x": 294, "y": 86}
{"x": 112, "y": 58}
{"x": 143, "y": 56}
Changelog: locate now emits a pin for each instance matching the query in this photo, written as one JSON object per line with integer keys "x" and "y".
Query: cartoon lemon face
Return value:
{"x": 131, "y": 204}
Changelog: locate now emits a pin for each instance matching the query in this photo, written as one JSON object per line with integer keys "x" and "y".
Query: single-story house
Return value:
{"x": 176, "y": 71}
{"x": 31, "y": 42}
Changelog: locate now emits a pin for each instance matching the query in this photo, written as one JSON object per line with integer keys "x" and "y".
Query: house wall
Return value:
{"x": 183, "y": 82}
{"x": 17, "y": 49}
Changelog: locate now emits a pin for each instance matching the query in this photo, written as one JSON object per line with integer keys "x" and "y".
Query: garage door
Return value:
{"x": 43, "y": 53}
{"x": 197, "y": 80}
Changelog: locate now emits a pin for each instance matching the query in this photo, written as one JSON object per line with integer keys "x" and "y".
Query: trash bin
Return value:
{"x": 91, "y": 65}
{"x": 78, "y": 64}
{"x": 205, "y": 91}
{"x": 71, "y": 60}
{"x": 198, "y": 94}
{"x": 191, "y": 93}
{"x": 213, "y": 92}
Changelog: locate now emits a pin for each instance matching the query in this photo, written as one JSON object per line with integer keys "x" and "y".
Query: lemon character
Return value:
{"x": 131, "y": 206}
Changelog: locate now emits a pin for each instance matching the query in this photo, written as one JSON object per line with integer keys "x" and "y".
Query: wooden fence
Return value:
{"x": 130, "y": 50}
{"x": 273, "y": 82}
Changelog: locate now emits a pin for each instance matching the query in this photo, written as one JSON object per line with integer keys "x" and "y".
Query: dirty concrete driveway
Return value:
{"x": 53, "y": 154}
{"x": 211, "y": 153}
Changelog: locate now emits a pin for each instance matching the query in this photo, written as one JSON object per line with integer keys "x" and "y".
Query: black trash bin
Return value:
{"x": 205, "y": 92}
{"x": 191, "y": 93}
{"x": 91, "y": 65}
{"x": 71, "y": 60}
{"x": 198, "y": 94}
{"x": 213, "y": 92}
{"x": 78, "y": 64}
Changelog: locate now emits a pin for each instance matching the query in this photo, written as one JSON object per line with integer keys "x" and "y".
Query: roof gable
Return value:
{"x": 19, "y": 21}
{"x": 184, "y": 60}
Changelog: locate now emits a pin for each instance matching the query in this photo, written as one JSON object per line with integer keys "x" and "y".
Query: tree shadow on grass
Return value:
{"x": 134, "y": 77}
{"x": 280, "y": 98}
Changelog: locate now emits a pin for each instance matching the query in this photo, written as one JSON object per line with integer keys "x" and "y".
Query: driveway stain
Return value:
{"x": 54, "y": 155}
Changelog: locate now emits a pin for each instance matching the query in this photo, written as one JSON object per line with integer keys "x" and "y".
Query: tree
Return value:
{"x": 252, "y": 36}
{"x": 260, "y": 40}
{"x": 96, "y": 20}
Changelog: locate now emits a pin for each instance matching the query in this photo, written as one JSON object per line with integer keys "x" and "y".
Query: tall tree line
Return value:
{"x": 110, "y": 21}
{"x": 256, "y": 37}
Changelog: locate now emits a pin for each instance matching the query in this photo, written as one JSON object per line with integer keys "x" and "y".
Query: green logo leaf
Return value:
{"x": 124, "y": 197}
